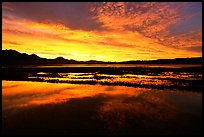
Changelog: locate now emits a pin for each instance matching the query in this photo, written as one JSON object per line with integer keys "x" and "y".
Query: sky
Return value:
{"x": 104, "y": 31}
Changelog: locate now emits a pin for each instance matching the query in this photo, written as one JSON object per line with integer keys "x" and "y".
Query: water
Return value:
{"x": 102, "y": 100}
{"x": 114, "y": 65}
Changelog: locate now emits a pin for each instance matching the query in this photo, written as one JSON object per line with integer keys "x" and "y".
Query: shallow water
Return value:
{"x": 102, "y": 100}
{"x": 115, "y": 65}
{"x": 63, "y": 108}
{"x": 156, "y": 78}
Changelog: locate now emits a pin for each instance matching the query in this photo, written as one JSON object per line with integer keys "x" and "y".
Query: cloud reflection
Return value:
{"x": 67, "y": 109}
{"x": 36, "y": 93}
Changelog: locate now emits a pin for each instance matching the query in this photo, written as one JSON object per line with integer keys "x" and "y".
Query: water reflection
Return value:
{"x": 116, "y": 65}
{"x": 36, "y": 93}
{"x": 47, "y": 108}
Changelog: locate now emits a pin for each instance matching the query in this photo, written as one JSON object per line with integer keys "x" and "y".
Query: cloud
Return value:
{"x": 143, "y": 17}
{"x": 185, "y": 40}
{"x": 72, "y": 15}
{"x": 10, "y": 42}
{"x": 106, "y": 31}
{"x": 149, "y": 19}
{"x": 195, "y": 48}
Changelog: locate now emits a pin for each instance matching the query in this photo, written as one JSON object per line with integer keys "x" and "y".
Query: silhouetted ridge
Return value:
{"x": 60, "y": 58}
{"x": 193, "y": 60}
{"x": 12, "y": 57}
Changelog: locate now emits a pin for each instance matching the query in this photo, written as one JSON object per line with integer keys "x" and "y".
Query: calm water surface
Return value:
{"x": 115, "y": 65}
{"x": 129, "y": 99}
{"x": 53, "y": 108}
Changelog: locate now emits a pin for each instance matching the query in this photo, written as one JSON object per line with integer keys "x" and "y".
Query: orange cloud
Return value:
{"x": 149, "y": 40}
{"x": 191, "y": 39}
{"x": 150, "y": 19}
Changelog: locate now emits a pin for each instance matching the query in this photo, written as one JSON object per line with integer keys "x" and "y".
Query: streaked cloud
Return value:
{"x": 106, "y": 31}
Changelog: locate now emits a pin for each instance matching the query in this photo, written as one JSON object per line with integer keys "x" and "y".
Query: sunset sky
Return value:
{"x": 105, "y": 31}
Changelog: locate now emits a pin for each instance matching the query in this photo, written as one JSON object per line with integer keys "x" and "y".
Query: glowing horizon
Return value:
{"x": 103, "y": 31}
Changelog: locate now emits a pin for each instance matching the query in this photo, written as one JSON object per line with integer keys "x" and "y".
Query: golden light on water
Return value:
{"x": 20, "y": 94}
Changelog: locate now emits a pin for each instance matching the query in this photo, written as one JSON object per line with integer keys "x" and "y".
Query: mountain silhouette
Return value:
{"x": 12, "y": 57}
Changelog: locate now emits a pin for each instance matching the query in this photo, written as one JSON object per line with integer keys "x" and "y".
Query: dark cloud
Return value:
{"x": 195, "y": 48}
{"x": 72, "y": 15}
{"x": 10, "y": 42}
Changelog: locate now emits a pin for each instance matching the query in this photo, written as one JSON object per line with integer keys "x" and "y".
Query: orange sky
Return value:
{"x": 111, "y": 32}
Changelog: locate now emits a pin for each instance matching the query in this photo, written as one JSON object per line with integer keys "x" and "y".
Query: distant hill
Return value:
{"x": 12, "y": 57}
{"x": 195, "y": 60}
